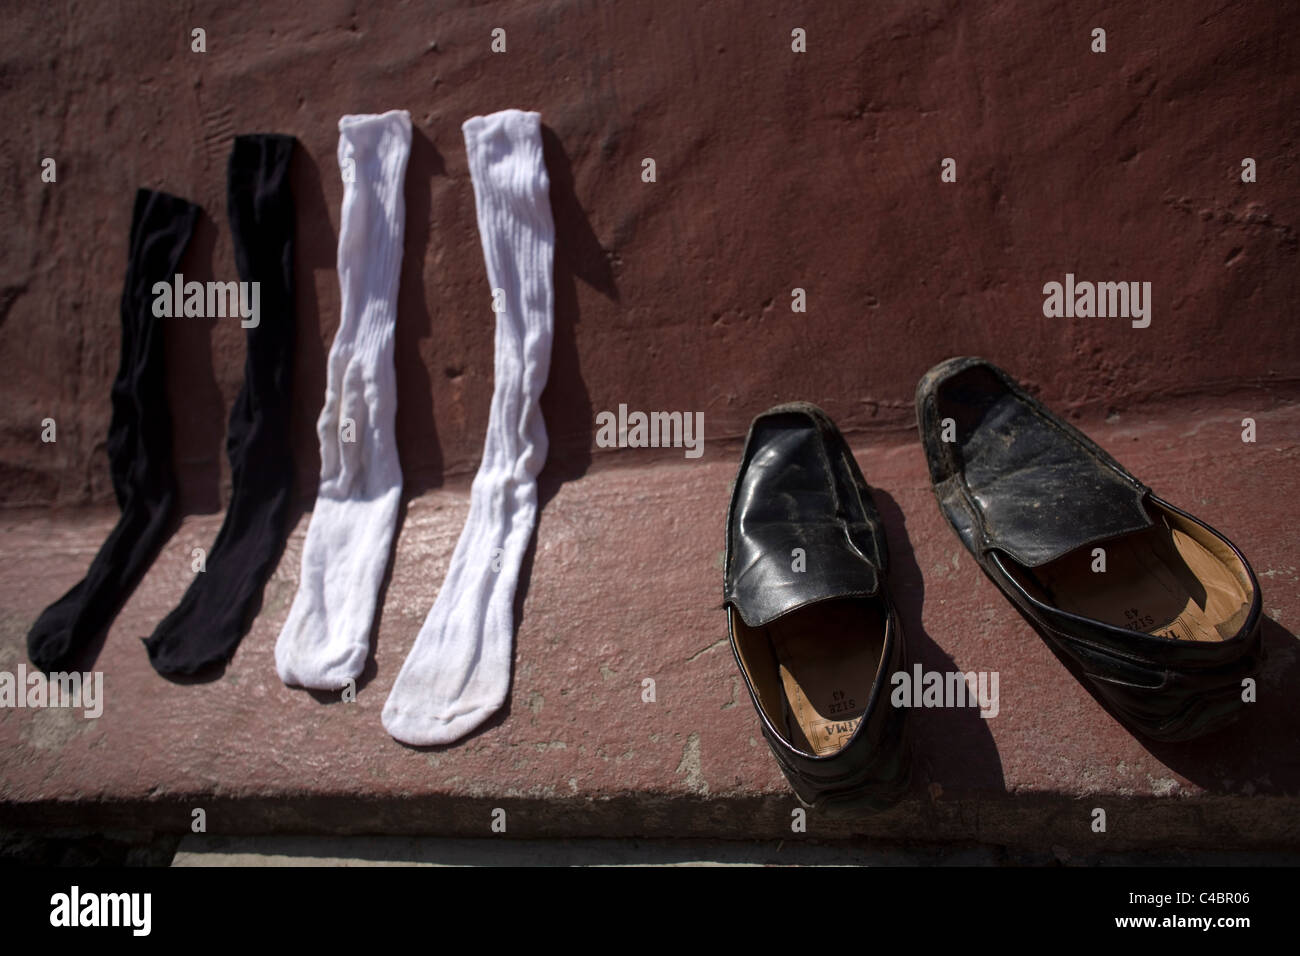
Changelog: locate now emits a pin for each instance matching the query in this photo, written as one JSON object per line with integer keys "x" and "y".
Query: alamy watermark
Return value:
{"x": 1086, "y": 300}
{"x": 946, "y": 689}
{"x": 74, "y": 908}
{"x": 651, "y": 430}
{"x": 58, "y": 689}
{"x": 208, "y": 300}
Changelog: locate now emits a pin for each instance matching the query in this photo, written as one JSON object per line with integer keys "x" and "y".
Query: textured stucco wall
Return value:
{"x": 775, "y": 170}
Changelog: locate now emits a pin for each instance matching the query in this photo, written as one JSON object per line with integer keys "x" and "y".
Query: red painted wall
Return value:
{"x": 775, "y": 170}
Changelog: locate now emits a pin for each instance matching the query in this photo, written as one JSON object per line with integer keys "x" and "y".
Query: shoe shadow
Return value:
{"x": 1256, "y": 754}
{"x": 953, "y": 748}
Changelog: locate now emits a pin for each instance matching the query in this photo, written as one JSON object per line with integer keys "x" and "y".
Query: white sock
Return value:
{"x": 458, "y": 672}
{"x": 326, "y": 637}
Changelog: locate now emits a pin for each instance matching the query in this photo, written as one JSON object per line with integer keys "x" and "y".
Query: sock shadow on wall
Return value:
{"x": 315, "y": 251}
{"x": 565, "y": 402}
{"x": 197, "y": 407}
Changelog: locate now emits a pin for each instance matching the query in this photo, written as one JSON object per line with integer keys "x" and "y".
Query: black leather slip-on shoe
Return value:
{"x": 1158, "y": 613}
{"x": 808, "y": 614}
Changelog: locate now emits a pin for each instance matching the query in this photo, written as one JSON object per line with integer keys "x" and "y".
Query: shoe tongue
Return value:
{"x": 803, "y": 533}
{"x": 1043, "y": 494}
{"x": 847, "y": 576}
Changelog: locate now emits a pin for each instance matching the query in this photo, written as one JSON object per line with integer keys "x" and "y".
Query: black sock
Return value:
{"x": 206, "y": 627}
{"x": 139, "y": 443}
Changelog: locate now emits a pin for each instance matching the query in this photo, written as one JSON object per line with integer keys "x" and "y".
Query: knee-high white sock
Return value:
{"x": 326, "y": 637}
{"x": 458, "y": 672}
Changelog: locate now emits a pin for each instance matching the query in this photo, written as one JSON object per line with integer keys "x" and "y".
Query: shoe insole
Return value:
{"x": 1158, "y": 581}
{"x": 827, "y": 657}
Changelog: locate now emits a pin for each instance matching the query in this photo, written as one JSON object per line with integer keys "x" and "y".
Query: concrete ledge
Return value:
{"x": 625, "y": 584}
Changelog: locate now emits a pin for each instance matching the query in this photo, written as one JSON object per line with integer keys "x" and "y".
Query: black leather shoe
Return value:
{"x": 808, "y": 613}
{"x": 1166, "y": 633}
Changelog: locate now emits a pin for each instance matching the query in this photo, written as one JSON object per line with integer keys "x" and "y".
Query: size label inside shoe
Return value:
{"x": 831, "y": 735}
{"x": 825, "y": 732}
{"x": 1157, "y": 581}
{"x": 827, "y": 658}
